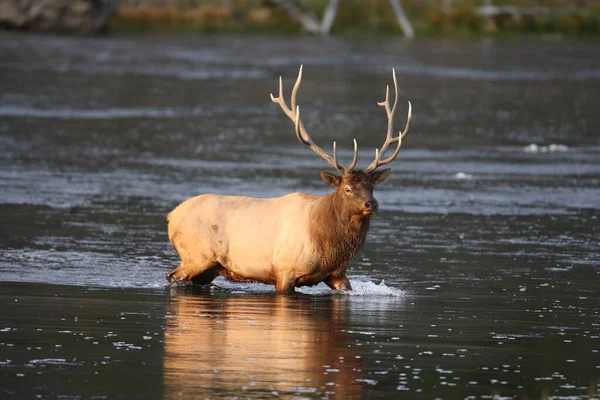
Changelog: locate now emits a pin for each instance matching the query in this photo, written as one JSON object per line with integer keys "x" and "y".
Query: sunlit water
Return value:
{"x": 480, "y": 273}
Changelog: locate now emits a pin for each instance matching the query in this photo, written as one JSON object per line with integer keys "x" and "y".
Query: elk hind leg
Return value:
{"x": 207, "y": 276}
{"x": 186, "y": 272}
{"x": 197, "y": 268}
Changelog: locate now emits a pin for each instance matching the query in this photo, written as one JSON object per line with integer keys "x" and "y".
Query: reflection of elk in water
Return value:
{"x": 253, "y": 345}
{"x": 295, "y": 240}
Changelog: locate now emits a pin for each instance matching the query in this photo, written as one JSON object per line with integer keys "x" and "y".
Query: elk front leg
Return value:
{"x": 338, "y": 282}
{"x": 285, "y": 284}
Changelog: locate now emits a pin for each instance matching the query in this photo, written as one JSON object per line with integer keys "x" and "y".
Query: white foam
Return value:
{"x": 552, "y": 148}
{"x": 463, "y": 176}
{"x": 52, "y": 361}
{"x": 359, "y": 288}
{"x": 108, "y": 113}
{"x": 367, "y": 381}
{"x": 368, "y": 288}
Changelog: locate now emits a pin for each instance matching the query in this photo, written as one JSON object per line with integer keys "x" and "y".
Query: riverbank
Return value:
{"x": 464, "y": 18}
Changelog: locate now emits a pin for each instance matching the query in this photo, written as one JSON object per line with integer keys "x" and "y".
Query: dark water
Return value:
{"x": 479, "y": 278}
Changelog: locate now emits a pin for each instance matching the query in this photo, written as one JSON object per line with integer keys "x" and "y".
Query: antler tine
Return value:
{"x": 295, "y": 88}
{"x": 390, "y": 113}
{"x": 385, "y": 103}
{"x": 408, "y": 120}
{"x": 300, "y": 130}
{"x": 391, "y": 117}
{"x": 335, "y": 156}
{"x": 297, "y": 127}
{"x": 401, "y": 135}
{"x": 354, "y": 159}
{"x": 389, "y": 139}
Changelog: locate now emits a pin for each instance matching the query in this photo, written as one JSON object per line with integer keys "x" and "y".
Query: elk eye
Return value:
{"x": 348, "y": 190}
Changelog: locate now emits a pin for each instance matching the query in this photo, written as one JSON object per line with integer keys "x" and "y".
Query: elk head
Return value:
{"x": 355, "y": 187}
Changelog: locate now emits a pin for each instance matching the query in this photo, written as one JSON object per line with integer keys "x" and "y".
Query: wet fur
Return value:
{"x": 337, "y": 233}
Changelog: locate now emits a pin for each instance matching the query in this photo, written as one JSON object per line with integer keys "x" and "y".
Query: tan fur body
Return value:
{"x": 294, "y": 240}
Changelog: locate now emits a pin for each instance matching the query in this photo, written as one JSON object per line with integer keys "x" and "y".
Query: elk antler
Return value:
{"x": 302, "y": 134}
{"x": 389, "y": 139}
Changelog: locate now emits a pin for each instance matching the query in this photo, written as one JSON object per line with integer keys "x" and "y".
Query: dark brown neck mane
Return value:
{"x": 337, "y": 232}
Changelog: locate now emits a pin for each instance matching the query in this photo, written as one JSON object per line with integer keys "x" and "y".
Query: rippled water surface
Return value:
{"x": 479, "y": 278}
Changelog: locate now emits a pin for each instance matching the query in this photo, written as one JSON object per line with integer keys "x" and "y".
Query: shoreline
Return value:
{"x": 542, "y": 37}
{"x": 462, "y": 19}
{"x": 466, "y": 18}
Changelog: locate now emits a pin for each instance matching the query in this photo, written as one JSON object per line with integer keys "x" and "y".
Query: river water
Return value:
{"x": 479, "y": 277}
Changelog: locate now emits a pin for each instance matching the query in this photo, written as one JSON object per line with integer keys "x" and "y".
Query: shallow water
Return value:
{"x": 479, "y": 276}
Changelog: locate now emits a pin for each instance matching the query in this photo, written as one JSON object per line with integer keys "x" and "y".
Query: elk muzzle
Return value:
{"x": 370, "y": 207}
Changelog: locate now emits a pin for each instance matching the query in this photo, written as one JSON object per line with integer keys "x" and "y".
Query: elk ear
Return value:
{"x": 379, "y": 176}
{"x": 331, "y": 179}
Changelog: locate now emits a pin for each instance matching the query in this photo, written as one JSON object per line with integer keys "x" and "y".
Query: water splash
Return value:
{"x": 463, "y": 176}
{"x": 369, "y": 288}
{"x": 359, "y": 288}
{"x": 552, "y": 148}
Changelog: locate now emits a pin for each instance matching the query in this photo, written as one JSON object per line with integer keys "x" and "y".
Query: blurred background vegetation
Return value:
{"x": 428, "y": 17}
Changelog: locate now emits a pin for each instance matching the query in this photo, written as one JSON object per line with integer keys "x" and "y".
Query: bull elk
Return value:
{"x": 295, "y": 240}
